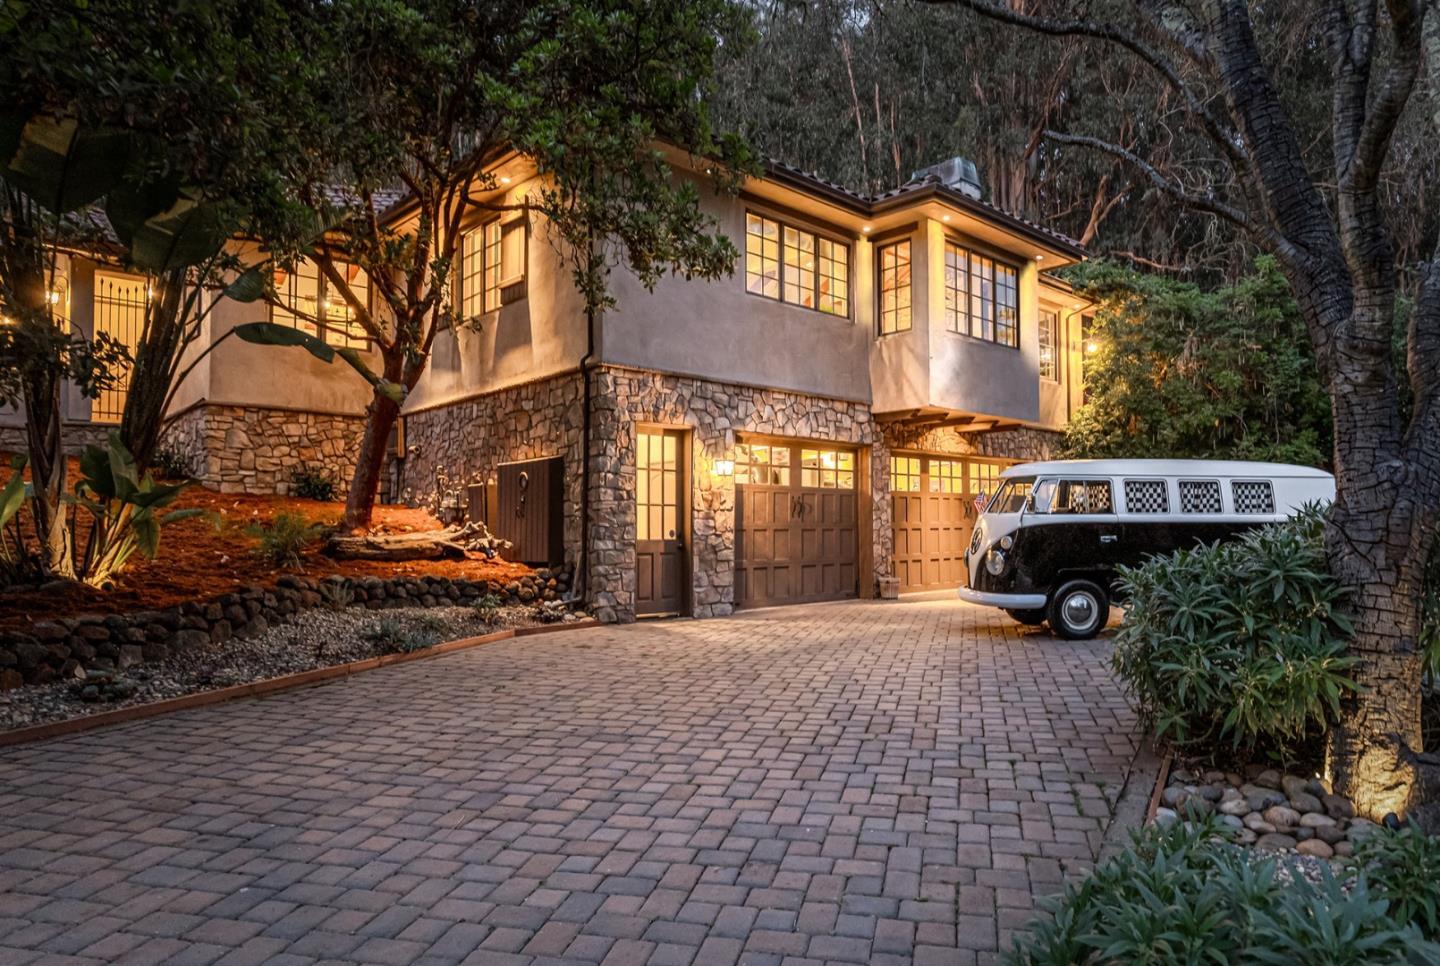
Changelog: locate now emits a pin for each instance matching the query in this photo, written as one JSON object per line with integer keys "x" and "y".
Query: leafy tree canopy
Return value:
{"x": 1172, "y": 368}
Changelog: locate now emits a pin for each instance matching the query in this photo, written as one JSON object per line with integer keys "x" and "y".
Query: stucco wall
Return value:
{"x": 717, "y": 330}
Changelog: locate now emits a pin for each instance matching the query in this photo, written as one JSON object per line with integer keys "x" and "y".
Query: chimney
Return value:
{"x": 957, "y": 173}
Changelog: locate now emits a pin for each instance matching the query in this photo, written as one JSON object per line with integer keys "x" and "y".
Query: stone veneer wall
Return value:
{"x": 715, "y": 413}
{"x": 465, "y": 442}
{"x": 452, "y": 446}
{"x": 238, "y": 449}
{"x": 76, "y": 437}
{"x": 1019, "y": 444}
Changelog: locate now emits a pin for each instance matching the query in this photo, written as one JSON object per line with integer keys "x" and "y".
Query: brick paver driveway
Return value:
{"x": 861, "y": 782}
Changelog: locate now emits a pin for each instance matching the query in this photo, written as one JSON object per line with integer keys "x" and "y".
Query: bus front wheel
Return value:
{"x": 1078, "y": 610}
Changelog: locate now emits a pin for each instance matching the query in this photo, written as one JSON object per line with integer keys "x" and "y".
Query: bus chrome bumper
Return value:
{"x": 1005, "y": 601}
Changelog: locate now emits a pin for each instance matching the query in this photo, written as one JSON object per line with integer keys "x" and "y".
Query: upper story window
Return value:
{"x": 797, "y": 266}
{"x": 894, "y": 287}
{"x": 492, "y": 266}
{"x": 310, "y": 303}
{"x": 982, "y": 296}
{"x": 1049, "y": 345}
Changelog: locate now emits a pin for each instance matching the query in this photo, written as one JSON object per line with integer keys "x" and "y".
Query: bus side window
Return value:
{"x": 1083, "y": 496}
{"x": 1042, "y": 497}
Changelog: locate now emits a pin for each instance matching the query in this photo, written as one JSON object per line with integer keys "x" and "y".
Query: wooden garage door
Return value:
{"x": 796, "y": 527}
{"x": 933, "y": 506}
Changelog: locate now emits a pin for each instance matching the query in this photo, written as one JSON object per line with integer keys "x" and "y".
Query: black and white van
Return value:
{"x": 1046, "y": 546}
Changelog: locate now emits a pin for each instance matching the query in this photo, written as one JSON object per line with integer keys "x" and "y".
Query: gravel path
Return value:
{"x": 312, "y": 639}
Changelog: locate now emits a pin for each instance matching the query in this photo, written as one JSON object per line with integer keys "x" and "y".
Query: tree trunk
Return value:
{"x": 1368, "y": 755}
{"x": 380, "y": 418}
{"x": 46, "y": 454}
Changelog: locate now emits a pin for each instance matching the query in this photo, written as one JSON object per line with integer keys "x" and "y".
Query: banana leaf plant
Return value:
{"x": 16, "y": 559}
{"x": 125, "y": 510}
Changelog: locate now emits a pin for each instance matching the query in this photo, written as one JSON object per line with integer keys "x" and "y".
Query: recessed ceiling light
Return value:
{"x": 504, "y": 179}
{"x": 1039, "y": 258}
{"x": 866, "y": 229}
{"x": 946, "y": 218}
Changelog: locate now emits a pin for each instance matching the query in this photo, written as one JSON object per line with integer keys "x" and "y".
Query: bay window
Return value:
{"x": 982, "y": 296}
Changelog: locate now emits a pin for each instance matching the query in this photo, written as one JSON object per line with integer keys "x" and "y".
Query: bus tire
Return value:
{"x": 1078, "y": 610}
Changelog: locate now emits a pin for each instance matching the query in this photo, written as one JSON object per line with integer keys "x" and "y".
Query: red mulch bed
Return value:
{"x": 198, "y": 561}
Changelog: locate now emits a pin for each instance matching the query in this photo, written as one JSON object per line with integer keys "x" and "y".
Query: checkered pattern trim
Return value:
{"x": 1146, "y": 496}
{"x": 1253, "y": 496}
{"x": 1199, "y": 496}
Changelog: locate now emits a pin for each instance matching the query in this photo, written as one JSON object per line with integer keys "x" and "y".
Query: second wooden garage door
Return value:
{"x": 933, "y": 507}
{"x": 796, "y": 527}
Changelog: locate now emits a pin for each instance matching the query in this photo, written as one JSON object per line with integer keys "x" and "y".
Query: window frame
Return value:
{"x": 1050, "y": 327}
{"x": 488, "y": 278}
{"x": 964, "y": 309}
{"x": 783, "y": 281}
{"x": 880, "y": 270}
{"x": 322, "y": 323}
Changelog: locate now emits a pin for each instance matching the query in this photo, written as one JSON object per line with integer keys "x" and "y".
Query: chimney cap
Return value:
{"x": 958, "y": 173}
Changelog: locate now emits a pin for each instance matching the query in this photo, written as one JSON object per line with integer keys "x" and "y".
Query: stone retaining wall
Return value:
{"x": 68, "y": 647}
{"x": 237, "y": 449}
{"x": 76, "y": 436}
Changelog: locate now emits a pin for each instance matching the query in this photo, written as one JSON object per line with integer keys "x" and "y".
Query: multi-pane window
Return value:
{"x": 983, "y": 478}
{"x": 656, "y": 466}
{"x": 492, "y": 266}
{"x": 828, "y": 468}
{"x": 472, "y": 273}
{"x": 1049, "y": 345}
{"x": 894, "y": 287}
{"x": 311, "y": 303}
{"x": 982, "y": 296}
{"x": 905, "y": 474}
{"x": 763, "y": 464}
{"x": 796, "y": 266}
{"x": 947, "y": 476}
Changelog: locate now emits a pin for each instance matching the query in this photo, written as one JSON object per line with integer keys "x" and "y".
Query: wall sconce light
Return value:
{"x": 724, "y": 467}
{"x": 1092, "y": 347}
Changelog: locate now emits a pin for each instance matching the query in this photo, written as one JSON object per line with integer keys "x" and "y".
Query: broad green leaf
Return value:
{"x": 268, "y": 333}
{"x": 187, "y": 233}
{"x": 63, "y": 167}
{"x": 248, "y": 286}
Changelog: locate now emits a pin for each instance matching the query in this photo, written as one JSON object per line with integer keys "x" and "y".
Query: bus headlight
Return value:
{"x": 995, "y": 563}
{"x": 1006, "y": 542}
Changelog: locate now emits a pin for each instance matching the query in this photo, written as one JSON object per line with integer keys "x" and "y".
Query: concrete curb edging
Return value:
{"x": 300, "y": 679}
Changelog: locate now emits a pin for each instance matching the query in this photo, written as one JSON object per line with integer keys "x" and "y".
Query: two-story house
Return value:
{"x": 816, "y": 424}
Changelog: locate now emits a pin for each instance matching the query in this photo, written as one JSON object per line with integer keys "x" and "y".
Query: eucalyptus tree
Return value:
{"x": 433, "y": 90}
{"x": 1329, "y": 230}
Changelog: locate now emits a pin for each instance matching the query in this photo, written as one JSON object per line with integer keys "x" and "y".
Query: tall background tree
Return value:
{"x": 432, "y": 90}
{"x": 1327, "y": 218}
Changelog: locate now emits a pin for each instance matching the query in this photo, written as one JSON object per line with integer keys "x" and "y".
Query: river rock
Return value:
{"x": 1275, "y": 842}
{"x": 1360, "y": 829}
{"x": 1337, "y": 806}
{"x": 1166, "y": 817}
{"x": 1316, "y": 820}
{"x": 1279, "y": 815}
{"x": 1344, "y": 849}
{"x": 1331, "y": 835}
{"x": 1245, "y": 837}
{"x": 1316, "y": 847}
{"x": 1305, "y": 802}
{"x": 1236, "y": 806}
{"x": 1269, "y": 778}
{"x": 1293, "y": 785}
{"x": 1255, "y": 823}
{"x": 1173, "y": 796}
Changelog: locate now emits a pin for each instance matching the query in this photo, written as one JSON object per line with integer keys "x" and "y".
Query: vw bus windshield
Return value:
{"x": 1012, "y": 496}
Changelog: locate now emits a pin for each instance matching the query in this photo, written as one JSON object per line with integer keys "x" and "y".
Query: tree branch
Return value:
{"x": 1226, "y": 137}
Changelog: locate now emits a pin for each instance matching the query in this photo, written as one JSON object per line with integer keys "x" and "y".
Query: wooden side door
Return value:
{"x": 661, "y": 485}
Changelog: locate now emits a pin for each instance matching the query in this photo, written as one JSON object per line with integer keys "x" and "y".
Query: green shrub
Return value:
{"x": 391, "y": 636}
{"x": 170, "y": 464}
{"x": 1185, "y": 895}
{"x": 1405, "y": 865}
{"x": 487, "y": 608}
{"x": 284, "y": 540}
{"x": 1240, "y": 643}
{"x": 312, "y": 483}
